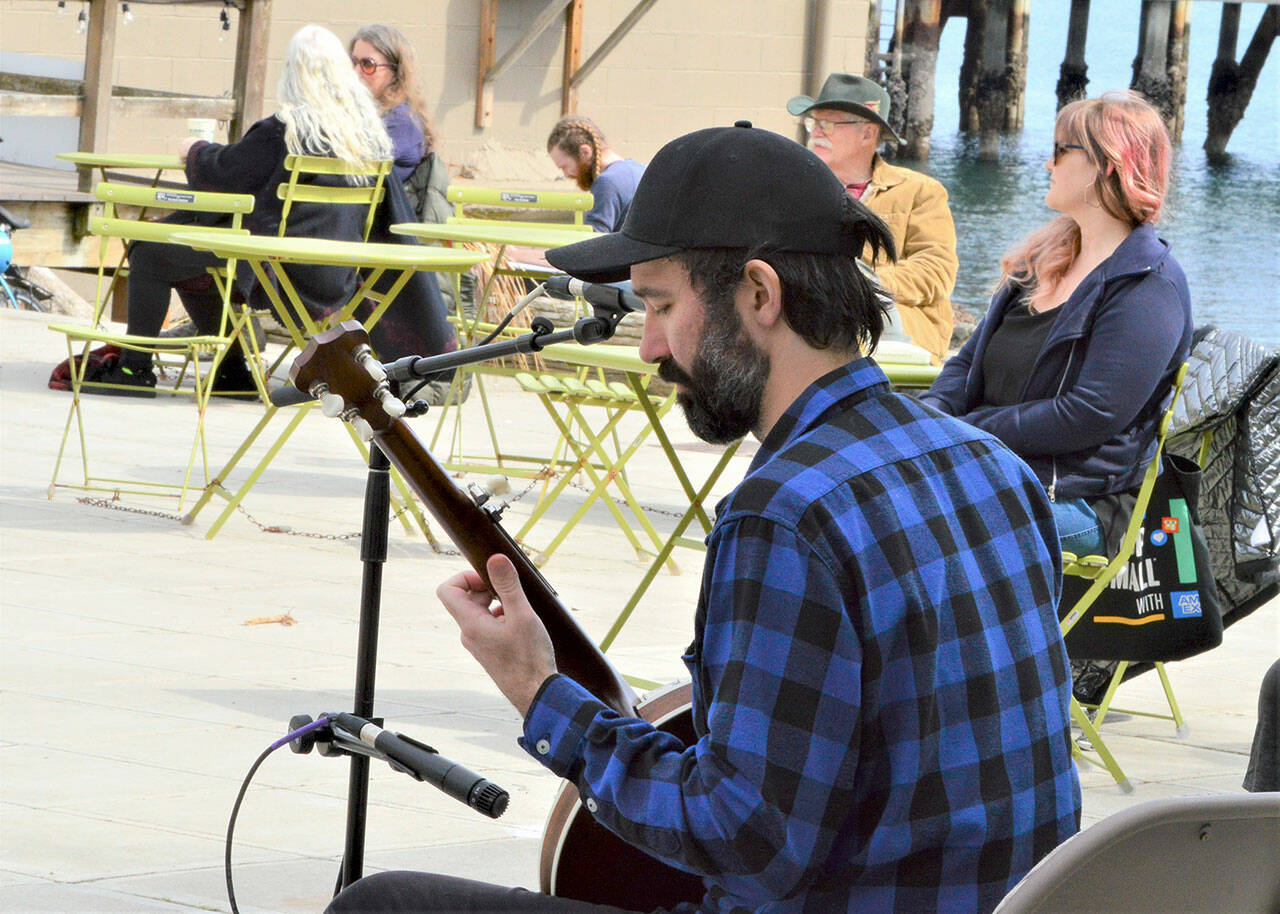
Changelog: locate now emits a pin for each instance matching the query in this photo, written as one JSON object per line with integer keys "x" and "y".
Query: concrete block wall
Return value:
{"x": 685, "y": 65}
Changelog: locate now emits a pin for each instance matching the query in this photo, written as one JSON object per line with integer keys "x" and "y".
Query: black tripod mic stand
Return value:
{"x": 373, "y": 543}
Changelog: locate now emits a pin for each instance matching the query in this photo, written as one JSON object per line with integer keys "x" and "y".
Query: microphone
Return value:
{"x": 423, "y": 763}
{"x": 597, "y": 294}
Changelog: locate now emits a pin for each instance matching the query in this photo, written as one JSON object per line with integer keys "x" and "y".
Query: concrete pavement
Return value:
{"x": 136, "y": 694}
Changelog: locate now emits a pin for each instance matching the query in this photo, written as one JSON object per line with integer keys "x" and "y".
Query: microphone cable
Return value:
{"x": 493, "y": 334}
{"x": 244, "y": 787}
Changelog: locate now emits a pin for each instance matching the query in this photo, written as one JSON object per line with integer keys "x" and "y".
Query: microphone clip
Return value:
{"x": 346, "y": 734}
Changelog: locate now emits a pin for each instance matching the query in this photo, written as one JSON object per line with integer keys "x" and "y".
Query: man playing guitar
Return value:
{"x": 879, "y": 685}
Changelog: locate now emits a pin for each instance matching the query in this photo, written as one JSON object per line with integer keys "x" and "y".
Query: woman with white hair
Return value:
{"x": 324, "y": 110}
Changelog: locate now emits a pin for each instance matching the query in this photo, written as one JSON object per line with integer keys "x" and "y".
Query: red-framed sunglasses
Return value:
{"x": 368, "y": 66}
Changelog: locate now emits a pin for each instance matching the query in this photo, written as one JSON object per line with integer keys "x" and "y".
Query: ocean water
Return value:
{"x": 1222, "y": 219}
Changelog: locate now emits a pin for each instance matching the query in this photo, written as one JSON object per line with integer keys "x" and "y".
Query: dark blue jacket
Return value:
{"x": 1087, "y": 420}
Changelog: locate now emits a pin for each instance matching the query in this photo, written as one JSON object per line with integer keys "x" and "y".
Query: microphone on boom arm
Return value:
{"x": 595, "y": 293}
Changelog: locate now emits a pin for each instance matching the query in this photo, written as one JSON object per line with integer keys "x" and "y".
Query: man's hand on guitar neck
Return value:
{"x": 507, "y": 638}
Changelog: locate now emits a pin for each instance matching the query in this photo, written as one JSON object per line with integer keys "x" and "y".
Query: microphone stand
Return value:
{"x": 373, "y": 540}
{"x": 373, "y": 555}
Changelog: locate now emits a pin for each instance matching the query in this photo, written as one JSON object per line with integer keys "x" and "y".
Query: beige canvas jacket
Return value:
{"x": 914, "y": 206}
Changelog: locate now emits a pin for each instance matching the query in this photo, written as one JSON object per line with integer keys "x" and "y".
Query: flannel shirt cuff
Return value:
{"x": 555, "y": 723}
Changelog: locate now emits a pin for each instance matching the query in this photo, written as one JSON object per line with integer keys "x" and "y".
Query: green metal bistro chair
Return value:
{"x": 506, "y": 203}
{"x": 1101, "y": 570}
{"x": 489, "y": 206}
{"x": 176, "y": 356}
{"x": 301, "y": 187}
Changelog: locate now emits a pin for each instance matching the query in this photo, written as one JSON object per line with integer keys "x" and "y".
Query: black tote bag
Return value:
{"x": 1163, "y": 604}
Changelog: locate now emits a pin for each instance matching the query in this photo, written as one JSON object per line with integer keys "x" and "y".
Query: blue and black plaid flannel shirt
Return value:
{"x": 880, "y": 688}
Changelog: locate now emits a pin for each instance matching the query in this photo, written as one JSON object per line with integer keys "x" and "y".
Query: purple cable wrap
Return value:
{"x": 301, "y": 731}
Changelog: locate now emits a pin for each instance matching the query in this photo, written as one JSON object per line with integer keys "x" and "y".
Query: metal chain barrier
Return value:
{"x": 115, "y": 505}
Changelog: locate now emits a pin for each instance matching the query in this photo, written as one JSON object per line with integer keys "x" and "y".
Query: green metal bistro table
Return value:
{"x": 273, "y": 253}
{"x": 125, "y": 160}
{"x": 499, "y": 234}
{"x": 493, "y": 231}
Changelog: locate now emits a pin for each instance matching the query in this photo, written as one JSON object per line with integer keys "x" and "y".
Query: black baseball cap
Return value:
{"x": 722, "y": 187}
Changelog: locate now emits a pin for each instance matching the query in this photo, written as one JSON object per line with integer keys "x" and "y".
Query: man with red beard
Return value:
{"x": 879, "y": 685}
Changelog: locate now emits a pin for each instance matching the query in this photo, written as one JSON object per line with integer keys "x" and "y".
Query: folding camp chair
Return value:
{"x": 1101, "y": 570}
{"x": 128, "y": 226}
{"x": 1194, "y": 855}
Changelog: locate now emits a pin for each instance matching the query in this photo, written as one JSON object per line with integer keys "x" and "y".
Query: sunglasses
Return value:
{"x": 367, "y": 65}
{"x": 1060, "y": 149}
{"x": 826, "y": 126}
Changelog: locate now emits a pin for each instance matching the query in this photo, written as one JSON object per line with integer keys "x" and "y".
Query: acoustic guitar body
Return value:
{"x": 582, "y": 859}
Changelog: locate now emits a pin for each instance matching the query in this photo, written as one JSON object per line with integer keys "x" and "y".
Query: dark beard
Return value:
{"x": 724, "y": 389}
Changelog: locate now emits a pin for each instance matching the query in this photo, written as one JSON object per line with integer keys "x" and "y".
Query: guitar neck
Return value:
{"x": 478, "y": 536}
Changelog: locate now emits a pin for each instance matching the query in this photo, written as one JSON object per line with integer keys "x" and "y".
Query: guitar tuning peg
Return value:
{"x": 331, "y": 404}
{"x": 363, "y": 428}
{"x": 364, "y": 355}
{"x": 497, "y": 485}
{"x": 393, "y": 406}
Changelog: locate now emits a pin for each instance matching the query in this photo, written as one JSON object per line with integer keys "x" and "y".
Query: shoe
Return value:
{"x": 179, "y": 330}
{"x": 234, "y": 380}
{"x": 126, "y": 381}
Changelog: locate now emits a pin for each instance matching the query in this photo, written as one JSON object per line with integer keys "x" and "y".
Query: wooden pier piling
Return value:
{"x": 1160, "y": 69}
{"x": 921, "y": 29}
{"x": 1073, "y": 74}
{"x": 1231, "y": 84}
{"x": 993, "y": 77}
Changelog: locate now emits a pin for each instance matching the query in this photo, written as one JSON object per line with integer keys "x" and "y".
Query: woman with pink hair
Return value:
{"x": 1074, "y": 361}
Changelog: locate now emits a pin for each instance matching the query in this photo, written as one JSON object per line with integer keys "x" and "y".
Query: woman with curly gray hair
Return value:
{"x": 324, "y": 110}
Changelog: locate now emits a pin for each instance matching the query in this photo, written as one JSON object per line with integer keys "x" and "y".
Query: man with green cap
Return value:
{"x": 846, "y": 125}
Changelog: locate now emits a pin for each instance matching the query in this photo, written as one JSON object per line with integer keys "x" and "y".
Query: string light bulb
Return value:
{"x": 225, "y": 18}
{"x": 126, "y": 14}
{"x": 82, "y": 22}
{"x": 62, "y": 9}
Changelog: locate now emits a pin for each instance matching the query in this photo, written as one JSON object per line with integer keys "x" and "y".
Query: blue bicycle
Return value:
{"x": 19, "y": 291}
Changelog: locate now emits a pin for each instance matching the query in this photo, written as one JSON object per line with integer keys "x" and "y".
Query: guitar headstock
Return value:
{"x": 340, "y": 369}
